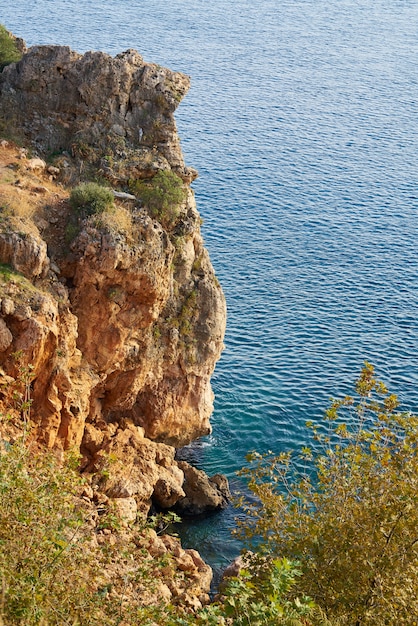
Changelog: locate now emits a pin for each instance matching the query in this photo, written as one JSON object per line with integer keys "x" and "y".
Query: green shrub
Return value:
{"x": 41, "y": 543}
{"x": 91, "y": 198}
{"x": 8, "y": 49}
{"x": 260, "y": 596}
{"x": 351, "y": 517}
{"x": 71, "y": 232}
{"x": 162, "y": 195}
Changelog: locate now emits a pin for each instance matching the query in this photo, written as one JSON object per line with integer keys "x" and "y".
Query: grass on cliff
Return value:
{"x": 9, "y": 52}
{"x": 9, "y": 277}
{"x": 91, "y": 199}
{"x": 14, "y": 205}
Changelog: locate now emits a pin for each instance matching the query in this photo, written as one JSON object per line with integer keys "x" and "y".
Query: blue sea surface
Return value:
{"x": 302, "y": 121}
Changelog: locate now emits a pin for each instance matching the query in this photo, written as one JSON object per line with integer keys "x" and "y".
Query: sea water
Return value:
{"x": 302, "y": 121}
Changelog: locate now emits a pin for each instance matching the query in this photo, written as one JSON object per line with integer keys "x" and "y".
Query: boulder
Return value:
{"x": 6, "y": 336}
{"x": 36, "y": 165}
{"x": 203, "y": 494}
{"x": 24, "y": 250}
{"x": 168, "y": 488}
{"x": 239, "y": 563}
{"x": 125, "y": 508}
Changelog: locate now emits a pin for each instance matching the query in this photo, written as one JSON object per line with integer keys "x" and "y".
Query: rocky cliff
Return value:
{"x": 118, "y": 314}
{"x": 111, "y": 317}
{"x": 127, "y": 319}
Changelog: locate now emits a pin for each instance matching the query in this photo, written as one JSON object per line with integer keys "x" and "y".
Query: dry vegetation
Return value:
{"x": 43, "y": 203}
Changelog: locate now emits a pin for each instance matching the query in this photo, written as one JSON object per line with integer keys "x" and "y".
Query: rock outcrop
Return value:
{"x": 110, "y": 323}
{"x": 93, "y": 105}
{"x": 201, "y": 493}
{"x": 136, "y": 315}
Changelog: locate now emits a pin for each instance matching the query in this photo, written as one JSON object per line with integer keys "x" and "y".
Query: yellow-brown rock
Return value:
{"x": 110, "y": 324}
{"x": 126, "y": 319}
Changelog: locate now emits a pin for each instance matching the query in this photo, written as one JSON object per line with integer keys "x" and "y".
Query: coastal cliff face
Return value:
{"x": 127, "y": 322}
{"x": 119, "y": 315}
{"x": 111, "y": 320}
{"x": 123, "y": 107}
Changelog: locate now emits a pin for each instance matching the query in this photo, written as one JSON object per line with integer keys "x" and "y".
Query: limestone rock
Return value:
{"x": 92, "y": 439}
{"x": 35, "y": 165}
{"x": 167, "y": 489}
{"x": 197, "y": 575}
{"x": 6, "y": 336}
{"x": 140, "y": 468}
{"x": 154, "y": 544}
{"x": 126, "y": 509}
{"x": 203, "y": 494}
{"x": 54, "y": 171}
{"x": 191, "y": 562}
{"x": 7, "y": 306}
{"x": 61, "y": 100}
{"x": 122, "y": 322}
{"x": 25, "y": 251}
{"x": 238, "y": 564}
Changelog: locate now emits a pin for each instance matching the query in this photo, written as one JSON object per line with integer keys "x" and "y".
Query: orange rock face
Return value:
{"x": 111, "y": 322}
{"x": 121, "y": 318}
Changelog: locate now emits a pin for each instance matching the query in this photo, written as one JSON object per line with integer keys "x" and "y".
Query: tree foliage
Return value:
{"x": 9, "y": 52}
{"x": 162, "y": 195}
{"x": 260, "y": 595}
{"x": 42, "y": 556}
{"x": 352, "y": 519}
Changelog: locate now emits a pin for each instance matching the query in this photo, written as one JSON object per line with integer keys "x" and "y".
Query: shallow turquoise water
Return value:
{"x": 302, "y": 122}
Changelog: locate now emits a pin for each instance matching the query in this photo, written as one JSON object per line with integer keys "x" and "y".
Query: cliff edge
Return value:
{"x": 123, "y": 317}
{"x": 113, "y": 306}
{"x": 111, "y": 316}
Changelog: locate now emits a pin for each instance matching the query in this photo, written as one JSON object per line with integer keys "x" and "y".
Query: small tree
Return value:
{"x": 9, "y": 52}
{"x": 260, "y": 596}
{"x": 352, "y": 518}
{"x": 162, "y": 195}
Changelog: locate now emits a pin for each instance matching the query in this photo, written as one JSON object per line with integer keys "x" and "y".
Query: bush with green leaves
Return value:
{"x": 162, "y": 195}
{"x": 9, "y": 52}
{"x": 91, "y": 198}
{"x": 351, "y": 517}
{"x": 45, "y": 573}
{"x": 260, "y": 596}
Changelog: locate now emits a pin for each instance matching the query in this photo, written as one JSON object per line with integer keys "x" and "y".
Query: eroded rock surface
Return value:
{"x": 110, "y": 324}
{"x": 130, "y": 318}
{"x": 202, "y": 494}
{"x": 60, "y": 100}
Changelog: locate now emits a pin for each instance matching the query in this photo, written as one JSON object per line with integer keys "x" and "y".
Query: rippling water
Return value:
{"x": 302, "y": 121}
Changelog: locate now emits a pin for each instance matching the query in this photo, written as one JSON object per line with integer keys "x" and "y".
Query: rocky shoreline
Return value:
{"x": 119, "y": 318}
